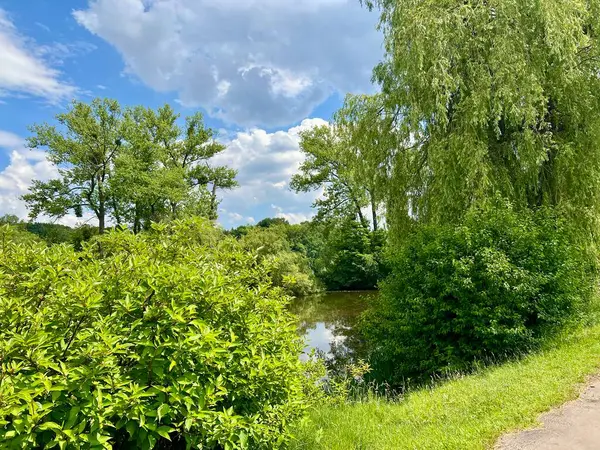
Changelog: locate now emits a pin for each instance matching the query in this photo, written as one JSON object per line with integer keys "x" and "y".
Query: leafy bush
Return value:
{"x": 159, "y": 340}
{"x": 288, "y": 269}
{"x": 491, "y": 287}
{"x": 350, "y": 260}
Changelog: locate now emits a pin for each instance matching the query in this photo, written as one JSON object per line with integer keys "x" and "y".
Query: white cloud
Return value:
{"x": 23, "y": 70}
{"x": 265, "y": 164}
{"x": 292, "y": 217}
{"x": 251, "y": 62}
{"x": 25, "y": 165}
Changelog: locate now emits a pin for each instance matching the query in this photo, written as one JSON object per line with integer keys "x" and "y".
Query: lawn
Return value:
{"x": 470, "y": 412}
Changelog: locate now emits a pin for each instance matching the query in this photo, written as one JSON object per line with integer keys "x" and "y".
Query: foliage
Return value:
{"x": 490, "y": 287}
{"x": 132, "y": 165}
{"x": 145, "y": 341}
{"x": 288, "y": 269}
{"x": 333, "y": 162}
{"x": 16, "y": 233}
{"x": 51, "y": 233}
{"x": 10, "y": 219}
{"x": 486, "y": 97}
{"x": 336, "y": 255}
{"x": 272, "y": 221}
{"x": 85, "y": 154}
{"x": 467, "y": 412}
{"x": 350, "y": 258}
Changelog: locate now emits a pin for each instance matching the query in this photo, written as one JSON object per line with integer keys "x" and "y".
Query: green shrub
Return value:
{"x": 489, "y": 288}
{"x": 288, "y": 269}
{"x": 350, "y": 259}
{"x": 159, "y": 340}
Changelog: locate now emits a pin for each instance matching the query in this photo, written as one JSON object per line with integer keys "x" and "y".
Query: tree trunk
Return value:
{"x": 101, "y": 207}
{"x": 136, "y": 220}
{"x": 116, "y": 211}
{"x": 361, "y": 216}
{"x": 213, "y": 202}
{"x": 101, "y": 220}
{"x": 374, "y": 211}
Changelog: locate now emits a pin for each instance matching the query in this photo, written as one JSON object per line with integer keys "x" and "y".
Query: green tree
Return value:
{"x": 335, "y": 163}
{"x": 348, "y": 260}
{"x": 289, "y": 269}
{"x": 272, "y": 221}
{"x": 491, "y": 96}
{"x": 10, "y": 219}
{"x": 133, "y": 166}
{"x": 84, "y": 152}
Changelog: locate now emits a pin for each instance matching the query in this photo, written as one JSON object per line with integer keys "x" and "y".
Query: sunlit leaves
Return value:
{"x": 138, "y": 340}
{"x": 490, "y": 96}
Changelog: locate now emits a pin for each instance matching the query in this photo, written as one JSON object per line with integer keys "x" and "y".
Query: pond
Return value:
{"x": 327, "y": 322}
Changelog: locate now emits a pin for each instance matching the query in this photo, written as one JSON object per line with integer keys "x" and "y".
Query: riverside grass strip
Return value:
{"x": 470, "y": 412}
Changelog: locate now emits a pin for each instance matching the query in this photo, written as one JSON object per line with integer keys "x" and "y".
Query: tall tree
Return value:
{"x": 334, "y": 163}
{"x": 84, "y": 151}
{"x": 495, "y": 96}
{"x": 134, "y": 166}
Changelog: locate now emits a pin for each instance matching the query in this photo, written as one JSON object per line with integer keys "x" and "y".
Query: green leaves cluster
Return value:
{"x": 489, "y": 288}
{"x": 134, "y": 165}
{"x": 486, "y": 97}
{"x": 173, "y": 338}
{"x": 288, "y": 267}
{"x": 351, "y": 257}
{"x": 345, "y": 168}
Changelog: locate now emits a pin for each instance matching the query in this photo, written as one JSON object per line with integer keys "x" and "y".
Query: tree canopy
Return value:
{"x": 345, "y": 168}
{"x": 498, "y": 96}
{"x": 133, "y": 165}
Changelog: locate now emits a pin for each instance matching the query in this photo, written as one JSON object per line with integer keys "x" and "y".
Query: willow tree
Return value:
{"x": 494, "y": 96}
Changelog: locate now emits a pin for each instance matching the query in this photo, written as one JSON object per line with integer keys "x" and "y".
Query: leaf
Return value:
{"x": 164, "y": 432}
{"x": 162, "y": 410}
{"x": 243, "y": 439}
{"x": 73, "y": 412}
{"x": 131, "y": 428}
{"x": 49, "y": 426}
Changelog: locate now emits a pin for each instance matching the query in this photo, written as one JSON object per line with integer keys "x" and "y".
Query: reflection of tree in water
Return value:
{"x": 336, "y": 314}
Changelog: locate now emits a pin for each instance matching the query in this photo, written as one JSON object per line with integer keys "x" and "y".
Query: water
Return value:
{"x": 328, "y": 324}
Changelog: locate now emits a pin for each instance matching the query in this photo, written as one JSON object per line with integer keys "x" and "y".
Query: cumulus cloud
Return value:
{"x": 265, "y": 164}
{"x": 23, "y": 68}
{"x": 292, "y": 217}
{"x": 250, "y": 62}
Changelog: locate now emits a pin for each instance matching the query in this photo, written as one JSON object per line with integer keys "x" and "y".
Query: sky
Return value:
{"x": 260, "y": 71}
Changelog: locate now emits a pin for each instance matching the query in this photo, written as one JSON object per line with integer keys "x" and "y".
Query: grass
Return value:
{"x": 464, "y": 413}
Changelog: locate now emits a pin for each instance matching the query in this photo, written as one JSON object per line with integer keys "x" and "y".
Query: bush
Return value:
{"x": 350, "y": 259}
{"x": 489, "y": 288}
{"x": 158, "y": 340}
{"x": 288, "y": 269}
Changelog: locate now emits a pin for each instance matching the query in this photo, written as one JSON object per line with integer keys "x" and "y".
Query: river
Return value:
{"x": 327, "y": 322}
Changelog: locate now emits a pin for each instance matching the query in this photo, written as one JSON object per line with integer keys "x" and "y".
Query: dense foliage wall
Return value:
{"x": 489, "y": 288}
{"x": 169, "y": 337}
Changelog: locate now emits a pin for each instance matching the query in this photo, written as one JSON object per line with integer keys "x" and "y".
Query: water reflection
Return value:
{"x": 328, "y": 324}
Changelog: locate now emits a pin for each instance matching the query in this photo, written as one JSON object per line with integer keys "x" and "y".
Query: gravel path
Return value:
{"x": 574, "y": 426}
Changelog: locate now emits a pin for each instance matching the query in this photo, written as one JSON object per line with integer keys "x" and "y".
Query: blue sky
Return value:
{"x": 259, "y": 70}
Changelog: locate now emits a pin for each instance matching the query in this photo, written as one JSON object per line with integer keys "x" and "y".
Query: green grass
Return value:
{"x": 465, "y": 413}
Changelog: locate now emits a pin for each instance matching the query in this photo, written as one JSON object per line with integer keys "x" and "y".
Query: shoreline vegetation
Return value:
{"x": 463, "y": 412}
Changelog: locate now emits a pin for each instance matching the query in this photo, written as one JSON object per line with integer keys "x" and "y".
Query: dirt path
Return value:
{"x": 574, "y": 426}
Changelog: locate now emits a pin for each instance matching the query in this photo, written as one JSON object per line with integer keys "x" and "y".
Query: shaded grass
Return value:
{"x": 465, "y": 413}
